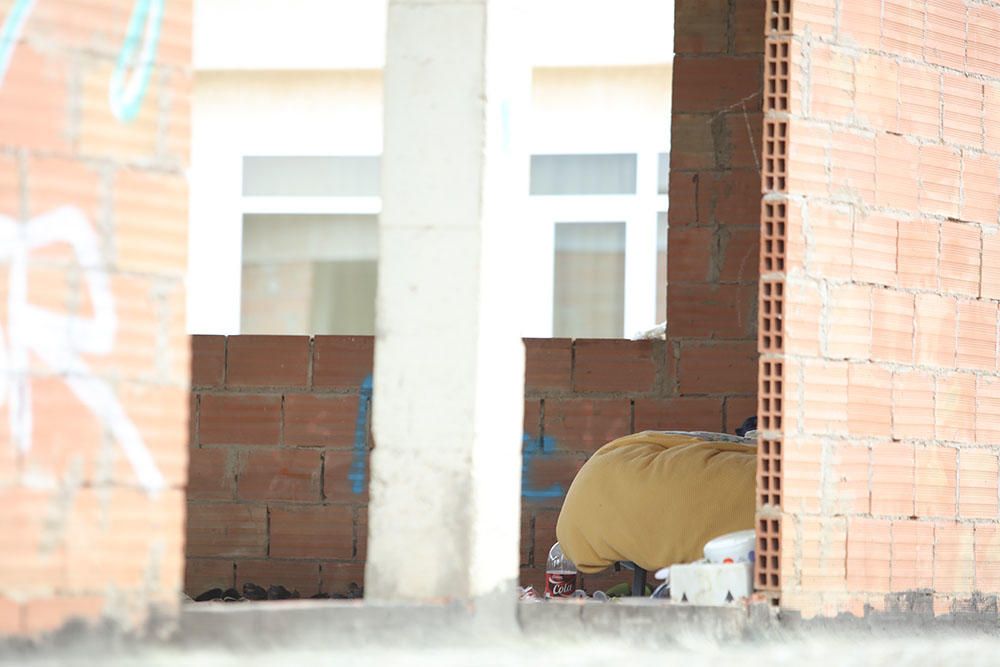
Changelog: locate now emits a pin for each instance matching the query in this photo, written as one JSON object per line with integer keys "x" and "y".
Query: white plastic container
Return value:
{"x": 711, "y": 584}
{"x": 732, "y": 548}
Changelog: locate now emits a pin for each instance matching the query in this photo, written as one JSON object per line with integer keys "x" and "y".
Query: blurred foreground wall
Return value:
{"x": 94, "y": 360}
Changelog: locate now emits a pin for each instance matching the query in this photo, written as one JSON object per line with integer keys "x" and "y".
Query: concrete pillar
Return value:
{"x": 449, "y": 362}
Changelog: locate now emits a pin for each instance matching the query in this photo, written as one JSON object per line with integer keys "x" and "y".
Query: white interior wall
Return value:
{"x": 297, "y": 77}
{"x": 350, "y": 34}
{"x": 289, "y": 34}
{"x": 260, "y": 113}
{"x": 621, "y": 109}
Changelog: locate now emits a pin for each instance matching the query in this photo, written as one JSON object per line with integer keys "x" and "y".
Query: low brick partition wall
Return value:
{"x": 280, "y": 438}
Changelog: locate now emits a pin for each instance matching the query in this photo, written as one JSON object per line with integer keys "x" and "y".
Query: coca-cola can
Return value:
{"x": 560, "y": 584}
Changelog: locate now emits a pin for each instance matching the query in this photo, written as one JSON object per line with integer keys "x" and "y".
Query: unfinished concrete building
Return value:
{"x": 834, "y": 266}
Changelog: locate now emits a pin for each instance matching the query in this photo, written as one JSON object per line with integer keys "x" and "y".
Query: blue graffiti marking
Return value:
{"x": 11, "y": 32}
{"x": 356, "y": 474}
{"x": 530, "y": 453}
{"x": 125, "y": 95}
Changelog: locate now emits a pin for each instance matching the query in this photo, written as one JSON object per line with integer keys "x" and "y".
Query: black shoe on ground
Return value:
{"x": 278, "y": 593}
{"x": 210, "y": 594}
{"x": 254, "y": 592}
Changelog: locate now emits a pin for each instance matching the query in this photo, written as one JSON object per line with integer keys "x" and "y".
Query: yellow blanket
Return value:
{"x": 655, "y": 498}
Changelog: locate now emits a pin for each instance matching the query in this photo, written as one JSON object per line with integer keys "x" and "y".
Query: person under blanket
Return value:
{"x": 655, "y": 498}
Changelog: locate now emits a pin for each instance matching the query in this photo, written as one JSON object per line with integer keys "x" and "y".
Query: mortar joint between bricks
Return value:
{"x": 660, "y": 350}
{"x": 225, "y": 361}
{"x": 696, "y": 179}
{"x": 958, "y": 478}
{"x": 233, "y": 463}
{"x": 310, "y": 363}
{"x": 531, "y": 546}
{"x": 541, "y": 425}
{"x": 274, "y": 390}
{"x": 572, "y": 365}
{"x": 715, "y": 56}
{"x": 281, "y": 422}
{"x": 715, "y": 259}
{"x": 354, "y": 532}
{"x": 195, "y": 429}
{"x": 731, "y": 27}
{"x": 322, "y": 475}
{"x": 824, "y": 327}
{"x": 805, "y": 86}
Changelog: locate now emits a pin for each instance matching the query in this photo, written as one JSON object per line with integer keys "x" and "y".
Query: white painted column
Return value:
{"x": 444, "y": 513}
{"x": 215, "y": 236}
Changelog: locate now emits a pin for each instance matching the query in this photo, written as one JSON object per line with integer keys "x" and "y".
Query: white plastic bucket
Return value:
{"x": 732, "y": 547}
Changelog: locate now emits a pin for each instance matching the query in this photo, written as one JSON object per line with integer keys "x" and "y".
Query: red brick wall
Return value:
{"x": 881, "y": 200}
{"x": 278, "y": 478}
{"x": 274, "y": 428}
{"x": 94, "y": 359}
{"x": 714, "y": 237}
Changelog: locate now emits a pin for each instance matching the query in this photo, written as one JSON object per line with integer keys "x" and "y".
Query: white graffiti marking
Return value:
{"x": 58, "y": 339}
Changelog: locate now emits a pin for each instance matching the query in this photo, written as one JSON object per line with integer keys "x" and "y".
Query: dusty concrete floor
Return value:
{"x": 631, "y": 634}
{"x": 958, "y": 649}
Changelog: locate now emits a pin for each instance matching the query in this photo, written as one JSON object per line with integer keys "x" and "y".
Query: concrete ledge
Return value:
{"x": 637, "y": 621}
{"x": 316, "y": 623}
